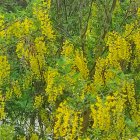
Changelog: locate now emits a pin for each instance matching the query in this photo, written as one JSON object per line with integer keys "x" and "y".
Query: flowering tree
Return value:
{"x": 63, "y": 79}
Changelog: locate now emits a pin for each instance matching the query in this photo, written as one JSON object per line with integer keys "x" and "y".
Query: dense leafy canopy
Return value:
{"x": 70, "y": 69}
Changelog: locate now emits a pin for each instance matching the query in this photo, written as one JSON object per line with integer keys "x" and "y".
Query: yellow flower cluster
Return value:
{"x": 132, "y": 32}
{"x": 129, "y": 90}
{"x": 68, "y": 49}
{"x": 128, "y": 30}
{"x": 4, "y": 77}
{"x": 118, "y": 116}
{"x": 19, "y": 28}
{"x": 9, "y": 93}
{"x": 20, "y": 49}
{"x": 38, "y": 101}
{"x": 40, "y": 45}
{"x": 100, "y": 69}
{"x": 36, "y": 55}
{"x": 104, "y": 66}
{"x": 34, "y": 64}
{"x": 41, "y": 12}
{"x": 136, "y": 39}
{"x": 68, "y": 123}
{"x": 81, "y": 64}
{"x": 119, "y": 48}
{"x": 17, "y": 89}
{"x": 40, "y": 51}
{"x": 26, "y": 24}
{"x": 4, "y": 69}
{"x": 104, "y": 71}
{"x": 108, "y": 115}
{"x": 101, "y": 113}
{"x": 2, "y": 106}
